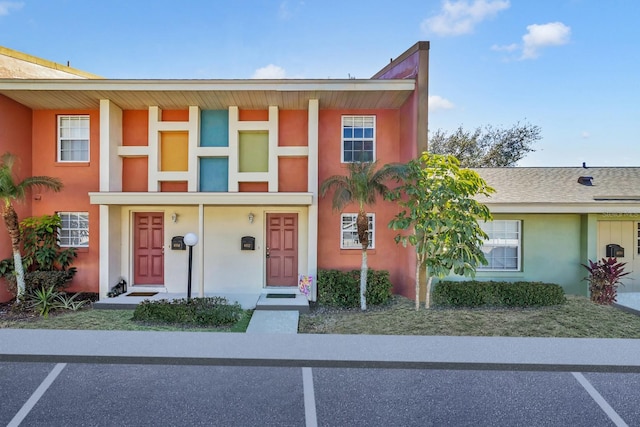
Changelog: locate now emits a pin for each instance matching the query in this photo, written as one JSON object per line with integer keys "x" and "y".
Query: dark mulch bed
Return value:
{"x": 11, "y": 311}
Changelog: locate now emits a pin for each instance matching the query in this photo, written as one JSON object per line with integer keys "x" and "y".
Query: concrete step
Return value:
{"x": 267, "y": 301}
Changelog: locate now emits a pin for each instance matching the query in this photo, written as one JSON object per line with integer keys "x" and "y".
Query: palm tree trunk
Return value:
{"x": 17, "y": 262}
{"x": 13, "y": 227}
{"x": 363, "y": 280}
{"x": 362, "y": 223}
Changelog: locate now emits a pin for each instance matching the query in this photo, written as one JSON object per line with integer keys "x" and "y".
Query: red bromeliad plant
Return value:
{"x": 604, "y": 278}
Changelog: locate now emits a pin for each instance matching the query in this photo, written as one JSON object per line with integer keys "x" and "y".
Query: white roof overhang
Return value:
{"x": 191, "y": 199}
{"x": 289, "y": 94}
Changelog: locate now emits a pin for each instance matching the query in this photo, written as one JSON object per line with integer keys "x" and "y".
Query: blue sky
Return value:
{"x": 568, "y": 66}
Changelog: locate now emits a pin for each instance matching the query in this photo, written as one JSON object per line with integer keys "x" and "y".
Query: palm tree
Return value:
{"x": 362, "y": 185}
{"x": 10, "y": 192}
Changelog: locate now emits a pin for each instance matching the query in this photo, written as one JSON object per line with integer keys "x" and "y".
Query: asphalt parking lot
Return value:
{"x": 78, "y": 394}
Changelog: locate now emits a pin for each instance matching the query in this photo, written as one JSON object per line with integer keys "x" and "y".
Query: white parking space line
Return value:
{"x": 604, "y": 405}
{"x": 35, "y": 397}
{"x": 309, "y": 398}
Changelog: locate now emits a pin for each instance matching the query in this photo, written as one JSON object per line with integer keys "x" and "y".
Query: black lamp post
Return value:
{"x": 190, "y": 239}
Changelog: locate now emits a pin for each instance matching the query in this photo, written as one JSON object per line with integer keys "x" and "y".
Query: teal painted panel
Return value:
{"x": 214, "y": 174}
{"x": 214, "y": 128}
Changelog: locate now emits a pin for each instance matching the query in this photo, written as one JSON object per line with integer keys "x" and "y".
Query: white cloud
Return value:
{"x": 585, "y": 134}
{"x": 7, "y": 6}
{"x": 505, "y": 48}
{"x": 269, "y": 72}
{"x": 437, "y": 103}
{"x": 460, "y": 17}
{"x": 543, "y": 35}
{"x": 285, "y": 12}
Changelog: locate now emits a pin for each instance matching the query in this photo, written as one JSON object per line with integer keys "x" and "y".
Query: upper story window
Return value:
{"x": 73, "y": 138}
{"x": 74, "y": 231}
{"x": 503, "y": 248}
{"x": 349, "y": 232}
{"x": 358, "y": 138}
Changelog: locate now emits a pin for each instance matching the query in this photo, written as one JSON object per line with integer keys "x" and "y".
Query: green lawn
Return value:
{"x": 578, "y": 318}
{"x": 109, "y": 320}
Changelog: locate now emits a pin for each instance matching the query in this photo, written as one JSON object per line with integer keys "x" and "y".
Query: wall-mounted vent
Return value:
{"x": 585, "y": 180}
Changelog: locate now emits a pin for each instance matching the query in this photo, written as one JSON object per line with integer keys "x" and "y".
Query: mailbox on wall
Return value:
{"x": 177, "y": 244}
{"x": 248, "y": 243}
{"x": 615, "y": 251}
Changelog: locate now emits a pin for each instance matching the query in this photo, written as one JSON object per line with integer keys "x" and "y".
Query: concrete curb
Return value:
{"x": 330, "y": 351}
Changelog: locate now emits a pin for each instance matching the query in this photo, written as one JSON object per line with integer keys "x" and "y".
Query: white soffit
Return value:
{"x": 208, "y": 94}
{"x": 198, "y": 198}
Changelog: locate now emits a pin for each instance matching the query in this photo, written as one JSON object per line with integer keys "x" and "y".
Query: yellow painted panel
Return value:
{"x": 254, "y": 152}
{"x": 174, "y": 151}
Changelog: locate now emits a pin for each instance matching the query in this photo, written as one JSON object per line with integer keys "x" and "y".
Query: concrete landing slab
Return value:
{"x": 274, "y": 322}
{"x": 299, "y": 303}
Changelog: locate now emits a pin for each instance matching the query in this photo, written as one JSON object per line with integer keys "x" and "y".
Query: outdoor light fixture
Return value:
{"x": 190, "y": 239}
{"x": 174, "y": 217}
{"x": 251, "y": 217}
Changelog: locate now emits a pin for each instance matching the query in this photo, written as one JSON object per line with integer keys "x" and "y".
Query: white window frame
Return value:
{"x": 351, "y": 218}
{"x": 72, "y": 134}
{"x": 499, "y": 237}
{"x": 353, "y": 121}
{"x": 73, "y": 235}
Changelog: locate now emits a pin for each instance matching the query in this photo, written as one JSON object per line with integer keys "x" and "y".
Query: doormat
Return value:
{"x": 141, "y": 294}
{"x": 281, "y": 295}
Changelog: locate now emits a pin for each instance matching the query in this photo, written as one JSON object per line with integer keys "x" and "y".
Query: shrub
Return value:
{"x": 497, "y": 294}
{"x": 42, "y": 251}
{"x": 46, "y": 264}
{"x": 210, "y": 311}
{"x": 35, "y": 280}
{"x": 604, "y": 278}
{"x": 71, "y": 302}
{"x": 43, "y": 300}
{"x": 342, "y": 288}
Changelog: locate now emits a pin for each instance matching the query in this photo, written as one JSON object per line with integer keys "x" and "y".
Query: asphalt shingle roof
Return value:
{"x": 560, "y": 185}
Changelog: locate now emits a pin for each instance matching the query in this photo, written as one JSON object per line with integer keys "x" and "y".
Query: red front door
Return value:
{"x": 282, "y": 249}
{"x": 148, "y": 249}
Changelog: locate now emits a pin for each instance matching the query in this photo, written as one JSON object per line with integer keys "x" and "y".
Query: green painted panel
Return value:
{"x": 552, "y": 251}
{"x": 253, "y": 152}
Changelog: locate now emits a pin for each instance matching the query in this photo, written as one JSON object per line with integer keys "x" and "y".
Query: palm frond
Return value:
{"x": 43, "y": 182}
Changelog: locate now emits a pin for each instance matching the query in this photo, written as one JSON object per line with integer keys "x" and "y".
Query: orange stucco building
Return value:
{"x": 237, "y": 162}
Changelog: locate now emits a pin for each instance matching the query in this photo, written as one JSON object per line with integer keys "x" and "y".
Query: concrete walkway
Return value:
{"x": 274, "y": 322}
{"x": 310, "y": 350}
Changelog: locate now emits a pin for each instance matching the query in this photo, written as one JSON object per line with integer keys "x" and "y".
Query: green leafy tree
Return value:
{"x": 440, "y": 217}
{"x": 488, "y": 146}
{"x": 361, "y": 186}
{"x": 12, "y": 191}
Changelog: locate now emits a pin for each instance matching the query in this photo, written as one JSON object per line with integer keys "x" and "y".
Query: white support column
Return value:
{"x": 194, "y": 141}
{"x": 110, "y": 140}
{"x": 312, "y": 187}
{"x": 273, "y": 149}
{"x": 202, "y": 249}
{"x": 233, "y": 149}
{"x": 104, "y": 269}
{"x": 155, "y": 115}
